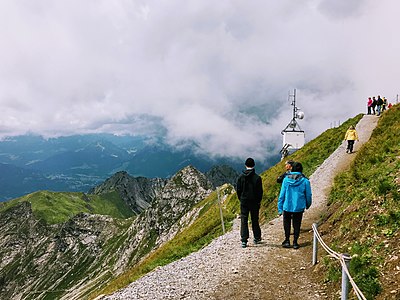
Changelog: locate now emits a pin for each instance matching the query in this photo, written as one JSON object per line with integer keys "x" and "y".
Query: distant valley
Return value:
{"x": 78, "y": 163}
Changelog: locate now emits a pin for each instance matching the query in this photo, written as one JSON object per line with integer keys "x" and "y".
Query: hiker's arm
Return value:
{"x": 308, "y": 194}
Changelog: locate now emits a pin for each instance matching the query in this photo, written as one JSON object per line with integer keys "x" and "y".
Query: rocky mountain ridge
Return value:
{"x": 137, "y": 192}
{"x": 140, "y": 192}
{"x": 85, "y": 252}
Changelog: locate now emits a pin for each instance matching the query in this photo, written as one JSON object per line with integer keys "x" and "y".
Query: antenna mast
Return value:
{"x": 293, "y": 135}
{"x": 297, "y": 114}
{"x": 293, "y": 103}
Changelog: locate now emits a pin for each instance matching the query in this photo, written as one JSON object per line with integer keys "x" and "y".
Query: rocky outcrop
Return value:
{"x": 185, "y": 189}
{"x": 222, "y": 174}
{"x": 164, "y": 218}
{"x": 137, "y": 192}
{"x": 68, "y": 260}
{"x": 140, "y": 192}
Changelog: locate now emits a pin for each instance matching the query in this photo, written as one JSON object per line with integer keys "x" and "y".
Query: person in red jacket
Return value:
{"x": 369, "y": 105}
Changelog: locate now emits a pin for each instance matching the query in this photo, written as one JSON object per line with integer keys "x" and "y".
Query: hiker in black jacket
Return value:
{"x": 288, "y": 167}
{"x": 249, "y": 191}
{"x": 373, "y": 105}
{"x": 379, "y": 103}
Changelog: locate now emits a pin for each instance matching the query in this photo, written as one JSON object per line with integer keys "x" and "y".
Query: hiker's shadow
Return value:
{"x": 272, "y": 245}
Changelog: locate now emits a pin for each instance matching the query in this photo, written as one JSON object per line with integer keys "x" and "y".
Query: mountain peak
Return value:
{"x": 191, "y": 177}
{"x": 137, "y": 192}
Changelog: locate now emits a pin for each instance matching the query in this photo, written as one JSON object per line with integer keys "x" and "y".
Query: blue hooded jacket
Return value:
{"x": 295, "y": 194}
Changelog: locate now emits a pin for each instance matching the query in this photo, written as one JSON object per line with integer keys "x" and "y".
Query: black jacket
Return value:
{"x": 280, "y": 178}
{"x": 249, "y": 188}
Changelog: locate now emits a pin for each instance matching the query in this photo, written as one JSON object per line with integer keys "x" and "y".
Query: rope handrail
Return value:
{"x": 324, "y": 245}
{"x": 342, "y": 261}
{"x": 358, "y": 292}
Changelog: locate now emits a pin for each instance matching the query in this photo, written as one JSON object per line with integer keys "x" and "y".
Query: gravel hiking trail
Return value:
{"x": 224, "y": 270}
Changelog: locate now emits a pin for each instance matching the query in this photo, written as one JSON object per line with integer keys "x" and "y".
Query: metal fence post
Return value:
{"x": 345, "y": 280}
{"x": 315, "y": 245}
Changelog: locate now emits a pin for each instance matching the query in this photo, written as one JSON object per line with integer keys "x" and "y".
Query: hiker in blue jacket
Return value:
{"x": 295, "y": 196}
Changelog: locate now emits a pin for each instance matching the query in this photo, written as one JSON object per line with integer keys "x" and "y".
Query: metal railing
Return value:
{"x": 344, "y": 260}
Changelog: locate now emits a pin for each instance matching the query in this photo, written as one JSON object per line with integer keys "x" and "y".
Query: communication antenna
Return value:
{"x": 297, "y": 114}
{"x": 293, "y": 135}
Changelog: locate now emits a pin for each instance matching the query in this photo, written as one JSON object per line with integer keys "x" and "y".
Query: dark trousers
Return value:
{"x": 369, "y": 110}
{"x": 288, "y": 219}
{"x": 350, "y": 145}
{"x": 244, "y": 222}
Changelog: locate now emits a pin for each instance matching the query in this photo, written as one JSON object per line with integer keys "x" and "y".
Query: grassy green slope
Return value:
{"x": 58, "y": 207}
{"x": 364, "y": 217}
{"x": 208, "y": 225}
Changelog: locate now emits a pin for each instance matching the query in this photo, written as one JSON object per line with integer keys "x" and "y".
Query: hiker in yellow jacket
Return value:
{"x": 351, "y": 136}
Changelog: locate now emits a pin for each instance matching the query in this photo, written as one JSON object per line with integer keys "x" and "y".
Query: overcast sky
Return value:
{"x": 217, "y": 73}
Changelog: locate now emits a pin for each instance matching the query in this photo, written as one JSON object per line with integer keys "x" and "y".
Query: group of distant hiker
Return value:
{"x": 377, "y": 105}
{"x": 295, "y": 196}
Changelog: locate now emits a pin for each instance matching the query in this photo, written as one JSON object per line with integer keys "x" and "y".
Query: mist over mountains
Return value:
{"x": 78, "y": 163}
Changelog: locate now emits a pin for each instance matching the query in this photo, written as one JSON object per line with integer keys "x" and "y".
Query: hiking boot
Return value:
{"x": 257, "y": 241}
{"x": 244, "y": 244}
{"x": 295, "y": 245}
{"x": 286, "y": 244}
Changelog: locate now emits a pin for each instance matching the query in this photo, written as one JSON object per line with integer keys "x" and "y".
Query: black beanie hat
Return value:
{"x": 297, "y": 167}
{"x": 250, "y": 163}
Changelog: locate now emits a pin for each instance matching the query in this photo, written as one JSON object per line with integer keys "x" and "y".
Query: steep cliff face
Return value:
{"x": 186, "y": 188}
{"x": 68, "y": 260}
{"x": 167, "y": 215}
{"x": 137, "y": 192}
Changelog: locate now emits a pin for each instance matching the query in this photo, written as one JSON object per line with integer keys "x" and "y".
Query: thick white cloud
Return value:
{"x": 216, "y": 73}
